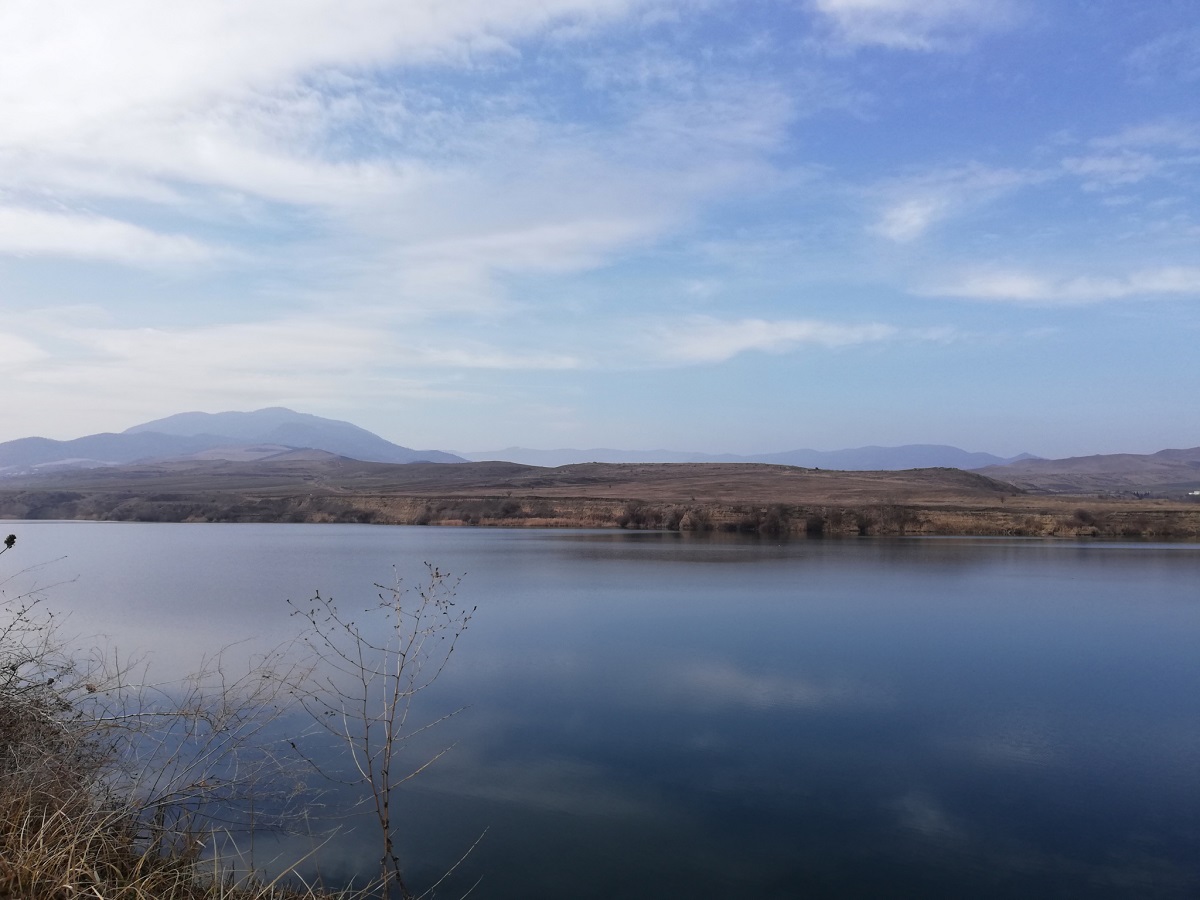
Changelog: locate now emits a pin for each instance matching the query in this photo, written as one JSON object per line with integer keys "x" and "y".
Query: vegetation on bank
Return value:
{"x": 115, "y": 788}
{"x": 1018, "y": 515}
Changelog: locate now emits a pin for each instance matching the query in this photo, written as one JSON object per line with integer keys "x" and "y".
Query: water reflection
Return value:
{"x": 656, "y": 715}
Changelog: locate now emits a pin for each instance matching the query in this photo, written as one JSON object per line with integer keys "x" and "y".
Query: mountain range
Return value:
{"x": 262, "y": 434}
{"x": 278, "y": 434}
{"x": 270, "y": 433}
{"x": 1167, "y": 471}
{"x": 858, "y": 459}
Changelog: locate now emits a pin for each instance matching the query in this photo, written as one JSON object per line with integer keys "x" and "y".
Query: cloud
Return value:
{"x": 708, "y": 340}
{"x": 721, "y": 684}
{"x": 325, "y": 145}
{"x": 1023, "y": 287}
{"x": 113, "y": 374}
{"x": 257, "y": 100}
{"x": 1174, "y": 134}
{"x": 317, "y": 361}
{"x": 543, "y": 247}
{"x": 128, "y": 56}
{"x": 1135, "y": 154}
{"x": 912, "y": 205}
{"x": 1171, "y": 57}
{"x": 467, "y": 354}
{"x": 914, "y": 24}
{"x": 907, "y": 220}
{"x": 1114, "y": 169}
{"x": 922, "y": 813}
{"x": 16, "y": 353}
{"x": 32, "y": 232}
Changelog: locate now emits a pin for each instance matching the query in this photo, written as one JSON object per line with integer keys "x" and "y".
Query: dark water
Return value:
{"x": 657, "y": 716}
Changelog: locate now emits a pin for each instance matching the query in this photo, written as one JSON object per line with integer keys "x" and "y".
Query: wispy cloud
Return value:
{"x": 722, "y": 684}
{"x": 1169, "y": 133}
{"x": 247, "y": 99}
{"x": 1162, "y": 149}
{"x": 910, "y": 206}
{"x": 124, "y": 372}
{"x": 418, "y": 197}
{"x": 17, "y": 353}
{"x": 915, "y": 24}
{"x": 908, "y": 219}
{"x": 1024, "y": 287}
{"x": 707, "y": 340}
{"x": 1113, "y": 169}
{"x": 382, "y": 200}
{"x": 468, "y": 354}
{"x": 1169, "y": 57}
{"x": 33, "y": 232}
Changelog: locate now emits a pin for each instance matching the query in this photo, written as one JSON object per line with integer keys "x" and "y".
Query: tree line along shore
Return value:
{"x": 1018, "y": 515}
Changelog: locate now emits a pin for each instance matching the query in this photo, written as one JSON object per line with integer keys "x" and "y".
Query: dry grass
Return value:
{"x": 696, "y": 497}
{"x": 90, "y": 804}
{"x": 113, "y": 787}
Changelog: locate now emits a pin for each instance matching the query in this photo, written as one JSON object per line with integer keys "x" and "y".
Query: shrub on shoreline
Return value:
{"x": 115, "y": 788}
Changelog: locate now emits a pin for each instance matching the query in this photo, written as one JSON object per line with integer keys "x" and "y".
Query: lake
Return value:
{"x": 656, "y": 715}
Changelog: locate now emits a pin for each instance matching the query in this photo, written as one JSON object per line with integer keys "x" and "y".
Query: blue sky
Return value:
{"x": 718, "y": 226}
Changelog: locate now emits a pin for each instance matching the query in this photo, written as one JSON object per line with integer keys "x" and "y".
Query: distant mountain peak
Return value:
{"x": 232, "y": 435}
{"x": 230, "y": 422}
{"x": 280, "y": 425}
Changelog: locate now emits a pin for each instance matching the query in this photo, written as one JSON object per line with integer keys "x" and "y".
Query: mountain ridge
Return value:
{"x": 281, "y": 433}
{"x": 185, "y": 434}
{"x": 1170, "y": 470}
{"x": 856, "y": 459}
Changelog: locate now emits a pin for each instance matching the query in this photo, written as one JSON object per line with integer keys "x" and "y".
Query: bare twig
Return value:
{"x": 369, "y": 675}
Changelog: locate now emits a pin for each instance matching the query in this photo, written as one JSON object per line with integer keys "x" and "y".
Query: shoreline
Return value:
{"x": 1019, "y": 516}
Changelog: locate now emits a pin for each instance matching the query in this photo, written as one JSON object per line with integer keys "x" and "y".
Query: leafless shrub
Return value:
{"x": 112, "y": 786}
{"x": 370, "y": 664}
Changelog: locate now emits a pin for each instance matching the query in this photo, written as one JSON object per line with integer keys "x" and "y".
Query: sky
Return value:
{"x": 715, "y": 225}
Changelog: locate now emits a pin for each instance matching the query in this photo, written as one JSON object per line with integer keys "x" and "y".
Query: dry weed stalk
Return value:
{"x": 117, "y": 787}
{"x": 370, "y": 666}
{"x": 111, "y": 786}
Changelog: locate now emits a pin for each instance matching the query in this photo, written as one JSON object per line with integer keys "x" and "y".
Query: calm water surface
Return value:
{"x": 654, "y": 715}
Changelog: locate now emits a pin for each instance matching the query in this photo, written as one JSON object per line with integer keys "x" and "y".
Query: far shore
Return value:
{"x": 1062, "y": 517}
{"x": 701, "y": 497}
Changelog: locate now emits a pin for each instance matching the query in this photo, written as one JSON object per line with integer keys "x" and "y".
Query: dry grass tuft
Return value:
{"x": 76, "y": 817}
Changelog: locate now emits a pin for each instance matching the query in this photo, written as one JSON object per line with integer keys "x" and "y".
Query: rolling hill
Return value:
{"x": 232, "y": 435}
{"x": 1167, "y": 471}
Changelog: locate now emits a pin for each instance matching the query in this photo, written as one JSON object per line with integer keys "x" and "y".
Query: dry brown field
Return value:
{"x": 693, "y": 496}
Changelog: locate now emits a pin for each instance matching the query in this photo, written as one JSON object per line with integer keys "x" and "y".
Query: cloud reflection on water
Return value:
{"x": 721, "y": 683}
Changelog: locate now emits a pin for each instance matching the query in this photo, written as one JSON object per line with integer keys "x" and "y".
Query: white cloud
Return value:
{"x": 912, "y": 205}
{"x": 219, "y": 356}
{"x": 707, "y": 340}
{"x": 16, "y": 353}
{"x": 467, "y": 354}
{"x": 1112, "y": 169}
{"x": 1135, "y": 154}
{"x": 299, "y": 122}
{"x": 544, "y": 247}
{"x": 67, "y": 65}
{"x": 162, "y": 106}
{"x": 1168, "y": 133}
{"x": 114, "y": 374}
{"x": 907, "y": 220}
{"x": 32, "y": 232}
{"x": 914, "y": 24}
{"x": 1170, "y": 57}
{"x": 1023, "y": 287}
